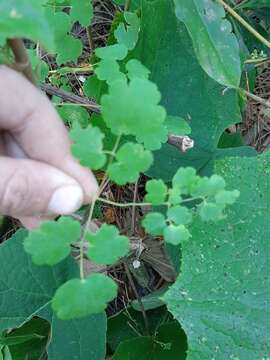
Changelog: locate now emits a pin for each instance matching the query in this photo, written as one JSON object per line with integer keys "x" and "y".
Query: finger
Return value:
{"x": 35, "y": 125}
{"x": 31, "y": 188}
{"x": 32, "y": 222}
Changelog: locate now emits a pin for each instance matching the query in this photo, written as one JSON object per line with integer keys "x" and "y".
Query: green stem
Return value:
{"x": 244, "y": 23}
{"x": 91, "y": 210}
{"x": 71, "y": 70}
{"x": 127, "y": 5}
{"x": 256, "y": 98}
{"x": 86, "y": 228}
{"x": 123, "y": 205}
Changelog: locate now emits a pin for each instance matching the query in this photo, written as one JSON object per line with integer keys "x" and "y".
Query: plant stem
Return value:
{"x": 71, "y": 70}
{"x": 127, "y": 5}
{"x": 244, "y": 23}
{"x": 90, "y": 38}
{"x": 86, "y": 228}
{"x": 133, "y": 214}
{"x": 256, "y": 98}
{"x": 105, "y": 201}
{"x": 22, "y": 61}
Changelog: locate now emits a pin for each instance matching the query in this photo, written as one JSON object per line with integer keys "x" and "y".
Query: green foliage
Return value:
{"x": 170, "y": 57}
{"x": 87, "y": 146}
{"x": 131, "y": 160}
{"x": 27, "y": 291}
{"x": 107, "y": 246}
{"x": 26, "y": 19}
{"x": 127, "y": 34}
{"x": 85, "y": 297}
{"x": 210, "y": 32}
{"x": 51, "y": 243}
{"x": 82, "y": 11}
{"x": 226, "y": 263}
{"x": 156, "y": 192}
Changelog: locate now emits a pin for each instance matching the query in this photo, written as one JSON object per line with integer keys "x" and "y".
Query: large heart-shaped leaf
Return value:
{"x": 222, "y": 296}
{"x": 210, "y": 32}
{"x": 187, "y": 91}
{"x": 27, "y": 290}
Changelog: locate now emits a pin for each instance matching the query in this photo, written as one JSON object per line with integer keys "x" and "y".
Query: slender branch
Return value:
{"x": 123, "y": 205}
{"x": 244, "y": 23}
{"x": 22, "y": 63}
{"x": 256, "y": 98}
{"x": 127, "y": 5}
{"x": 183, "y": 143}
{"x": 70, "y": 97}
{"x": 90, "y": 38}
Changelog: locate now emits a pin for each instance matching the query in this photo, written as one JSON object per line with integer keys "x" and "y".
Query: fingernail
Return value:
{"x": 66, "y": 200}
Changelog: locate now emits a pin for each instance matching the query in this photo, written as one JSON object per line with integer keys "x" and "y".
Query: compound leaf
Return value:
{"x": 179, "y": 215}
{"x": 88, "y": 146}
{"x": 156, "y": 192}
{"x": 112, "y": 52}
{"x": 79, "y": 298}
{"x": 176, "y": 234}
{"x": 107, "y": 246}
{"x": 127, "y": 35}
{"x": 131, "y": 160}
{"x": 154, "y": 223}
{"x": 132, "y": 109}
{"x": 135, "y": 69}
{"x": 51, "y": 242}
{"x": 82, "y": 11}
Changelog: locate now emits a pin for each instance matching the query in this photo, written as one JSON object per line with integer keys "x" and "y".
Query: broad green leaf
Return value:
{"x": 51, "y": 242}
{"x": 36, "y": 334}
{"x": 156, "y": 192}
{"x": 135, "y": 69}
{"x": 215, "y": 45}
{"x": 82, "y": 11}
{"x": 25, "y": 19}
{"x": 88, "y": 146}
{"x": 127, "y": 35}
{"x": 107, "y": 246}
{"x": 154, "y": 223}
{"x": 176, "y": 234}
{"x": 80, "y": 298}
{"x": 169, "y": 342}
{"x": 71, "y": 114}
{"x": 131, "y": 160}
{"x": 179, "y": 215}
{"x": 187, "y": 91}
{"x": 254, "y": 4}
{"x": 112, "y": 52}
{"x": 177, "y": 126}
{"x": 26, "y": 289}
{"x": 132, "y": 109}
{"x": 221, "y": 297}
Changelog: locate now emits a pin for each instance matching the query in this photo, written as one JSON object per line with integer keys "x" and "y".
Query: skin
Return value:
{"x": 35, "y": 156}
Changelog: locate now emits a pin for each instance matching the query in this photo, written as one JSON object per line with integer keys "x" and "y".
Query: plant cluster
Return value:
{"x": 125, "y": 136}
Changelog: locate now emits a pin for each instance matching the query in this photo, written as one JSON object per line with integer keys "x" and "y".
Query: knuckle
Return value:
{"x": 16, "y": 194}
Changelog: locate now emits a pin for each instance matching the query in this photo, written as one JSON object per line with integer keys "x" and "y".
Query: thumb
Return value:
{"x": 29, "y": 187}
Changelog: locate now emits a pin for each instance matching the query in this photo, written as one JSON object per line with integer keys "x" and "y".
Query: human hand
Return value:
{"x": 39, "y": 178}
